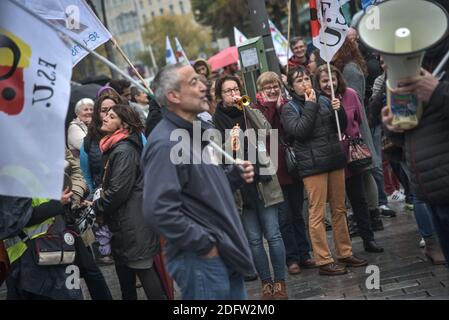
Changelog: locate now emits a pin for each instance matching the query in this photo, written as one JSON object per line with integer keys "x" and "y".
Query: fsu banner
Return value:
{"x": 328, "y": 26}
{"x": 35, "y": 71}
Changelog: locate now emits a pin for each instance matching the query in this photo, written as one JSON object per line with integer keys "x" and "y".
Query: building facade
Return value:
{"x": 126, "y": 20}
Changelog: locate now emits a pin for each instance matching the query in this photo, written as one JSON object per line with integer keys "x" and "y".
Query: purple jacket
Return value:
{"x": 352, "y": 106}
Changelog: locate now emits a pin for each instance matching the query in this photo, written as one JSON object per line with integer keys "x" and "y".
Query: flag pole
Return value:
{"x": 332, "y": 85}
{"x": 288, "y": 28}
{"x": 137, "y": 73}
{"x": 95, "y": 54}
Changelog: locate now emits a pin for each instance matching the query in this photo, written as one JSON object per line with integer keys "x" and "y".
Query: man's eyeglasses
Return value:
{"x": 228, "y": 92}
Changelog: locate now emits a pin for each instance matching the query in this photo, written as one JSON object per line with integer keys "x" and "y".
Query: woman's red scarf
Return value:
{"x": 107, "y": 142}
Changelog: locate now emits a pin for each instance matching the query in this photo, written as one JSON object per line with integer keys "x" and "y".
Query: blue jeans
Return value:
{"x": 440, "y": 215}
{"x": 262, "y": 222}
{"x": 377, "y": 171}
{"x": 291, "y": 224}
{"x": 206, "y": 278}
{"x": 423, "y": 218}
{"x": 421, "y": 210}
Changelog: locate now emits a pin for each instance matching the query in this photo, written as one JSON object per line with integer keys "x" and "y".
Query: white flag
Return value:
{"x": 76, "y": 19}
{"x": 35, "y": 72}
{"x": 239, "y": 37}
{"x": 280, "y": 43}
{"x": 170, "y": 57}
{"x": 180, "y": 54}
{"x": 329, "y": 26}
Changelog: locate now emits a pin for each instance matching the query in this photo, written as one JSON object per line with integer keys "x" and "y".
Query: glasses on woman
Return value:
{"x": 269, "y": 89}
{"x": 229, "y": 92}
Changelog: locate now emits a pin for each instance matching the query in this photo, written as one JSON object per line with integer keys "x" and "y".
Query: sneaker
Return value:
{"x": 422, "y": 243}
{"x": 409, "y": 206}
{"x": 385, "y": 211}
{"x": 397, "y": 195}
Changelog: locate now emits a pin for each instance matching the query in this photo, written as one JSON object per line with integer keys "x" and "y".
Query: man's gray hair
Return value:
{"x": 81, "y": 103}
{"x": 167, "y": 79}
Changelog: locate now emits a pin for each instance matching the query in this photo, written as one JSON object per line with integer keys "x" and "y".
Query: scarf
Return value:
{"x": 110, "y": 140}
{"x": 227, "y": 118}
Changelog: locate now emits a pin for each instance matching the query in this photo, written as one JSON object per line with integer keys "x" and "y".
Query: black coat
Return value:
{"x": 427, "y": 149}
{"x": 314, "y": 131}
{"x": 121, "y": 206}
{"x": 153, "y": 118}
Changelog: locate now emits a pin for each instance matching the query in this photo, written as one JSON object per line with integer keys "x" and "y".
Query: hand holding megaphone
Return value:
{"x": 422, "y": 85}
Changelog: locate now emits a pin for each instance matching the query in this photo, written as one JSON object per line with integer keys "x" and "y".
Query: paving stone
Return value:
{"x": 413, "y": 296}
{"x": 399, "y": 285}
{"x": 436, "y": 292}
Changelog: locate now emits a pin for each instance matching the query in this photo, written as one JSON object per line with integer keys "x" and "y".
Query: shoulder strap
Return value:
{"x": 295, "y": 107}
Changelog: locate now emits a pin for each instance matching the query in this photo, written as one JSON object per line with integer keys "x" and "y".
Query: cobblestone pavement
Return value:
{"x": 404, "y": 271}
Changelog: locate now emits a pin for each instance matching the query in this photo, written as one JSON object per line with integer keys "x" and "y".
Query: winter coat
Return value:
{"x": 352, "y": 107}
{"x": 268, "y": 187}
{"x": 273, "y": 116}
{"x": 75, "y": 135}
{"x": 355, "y": 79}
{"x": 314, "y": 130}
{"x": 427, "y": 148}
{"x": 121, "y": 205}
{"x": 192, "y": 205}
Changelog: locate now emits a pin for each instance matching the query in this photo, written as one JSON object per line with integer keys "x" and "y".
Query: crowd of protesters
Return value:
{"x": 204, "y": 225}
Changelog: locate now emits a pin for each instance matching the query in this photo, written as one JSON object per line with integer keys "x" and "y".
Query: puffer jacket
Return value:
{"x": 121, "y": 205}
{"x": 427, "y": 149}
{"x": 314, "y": 130}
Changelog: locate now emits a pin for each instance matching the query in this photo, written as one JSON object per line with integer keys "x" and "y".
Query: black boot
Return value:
{"x": 376, "y": 221}
{"x": 372, "y": 246}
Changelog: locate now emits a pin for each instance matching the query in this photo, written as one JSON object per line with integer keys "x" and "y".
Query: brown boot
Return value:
{"x": 433, "y": 252}
{"x": 267, "y": 290}
{"x": 280, "y": 290}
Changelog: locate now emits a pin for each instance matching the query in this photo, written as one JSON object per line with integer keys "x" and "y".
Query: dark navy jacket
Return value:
{"x": 192, "y": 205}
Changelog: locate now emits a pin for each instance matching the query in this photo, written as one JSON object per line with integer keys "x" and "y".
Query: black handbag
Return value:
{"x": 290, "y": 158}
{"x": 359, "y": 155}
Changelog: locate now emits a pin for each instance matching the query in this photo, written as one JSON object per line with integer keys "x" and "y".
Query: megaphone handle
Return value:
{"x": 440, "y": 65}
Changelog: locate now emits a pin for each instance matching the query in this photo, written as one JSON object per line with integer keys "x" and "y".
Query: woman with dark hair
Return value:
{"x": 92, "y": 167}
{"x": 259, "y": 199}
{"x": 134, "y": 244}
{"x": 355, "y": 186}
{"x": 311, "y": 121}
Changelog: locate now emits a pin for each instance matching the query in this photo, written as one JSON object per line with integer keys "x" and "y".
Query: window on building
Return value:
{"x": 150, "y": 2}
{"x": 172, "y": 11}
{"x": 161, "y": 10}
{"x": 181, "y": 6}
{"x": 152, "y": 14}
{"x": 145, "y": 19}
{"x": 141, "y": 4}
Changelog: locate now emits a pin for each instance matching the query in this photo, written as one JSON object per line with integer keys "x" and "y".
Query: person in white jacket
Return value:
{"x": 78, "y": 127}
